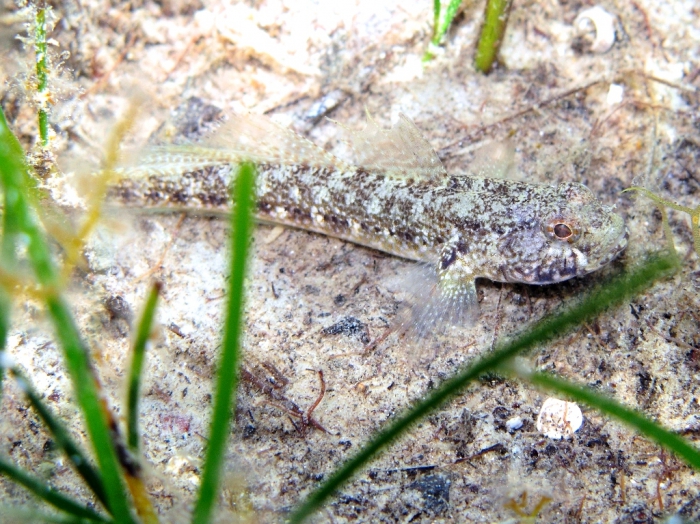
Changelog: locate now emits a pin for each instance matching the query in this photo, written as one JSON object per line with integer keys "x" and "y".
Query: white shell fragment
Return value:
{"x": 603, "y": 23}
{"x": 615, "y": 94}
{"x": 559, "y": 419}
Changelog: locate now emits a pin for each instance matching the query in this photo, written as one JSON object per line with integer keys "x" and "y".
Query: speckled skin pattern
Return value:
{"x": 397, "y": 199}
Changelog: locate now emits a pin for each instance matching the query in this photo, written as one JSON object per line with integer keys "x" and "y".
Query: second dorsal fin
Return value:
{"x": 401, "y": 151}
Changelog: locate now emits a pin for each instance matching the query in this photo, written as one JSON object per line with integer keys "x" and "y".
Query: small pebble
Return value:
{"x": 513, "y": 424}
{"x": 559, "y": 419}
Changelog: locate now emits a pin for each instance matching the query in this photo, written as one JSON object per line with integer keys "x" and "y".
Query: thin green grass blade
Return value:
{"x": 18, "y": 217}
{"x": 646, "y": 427}
{"x": 62, "y": 438}
{"x": 495, "y": 20}
{"x": 17, "y": 186}
{"x": 143, "y": 332}
{"x": 450, "y": 14}
{"x": 76, "y": 358}
{"x": 227, "y": 371}
{"x": 11, "y": 161}
{"x": 48, "y": 494}
{"x": 11, "y": 158}
{"x": 41, "y": 72}
{"x": 441, "y": 25}
{"x": 626, "y": 285}
{"x": 436, "y": 15}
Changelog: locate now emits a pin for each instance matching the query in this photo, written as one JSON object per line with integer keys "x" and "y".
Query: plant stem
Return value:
{"x": 142, "y": 334}
{"x": 441, "y": 27}
{"x": 495, "y": 20}
{"x": 41, "y": 72}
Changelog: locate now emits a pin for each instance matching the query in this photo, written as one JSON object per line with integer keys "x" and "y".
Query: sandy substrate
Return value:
{"x": 606, "y": 119}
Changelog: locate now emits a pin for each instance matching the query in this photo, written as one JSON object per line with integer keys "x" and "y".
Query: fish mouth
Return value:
{"x": 549, "y": 272}
{"x": 619, "y": 247}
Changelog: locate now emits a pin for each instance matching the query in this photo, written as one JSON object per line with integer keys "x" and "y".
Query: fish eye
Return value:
{"x": 563, "y": 230}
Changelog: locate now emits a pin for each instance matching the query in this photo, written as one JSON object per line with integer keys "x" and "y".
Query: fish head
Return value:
{"x": 566, "y": 234}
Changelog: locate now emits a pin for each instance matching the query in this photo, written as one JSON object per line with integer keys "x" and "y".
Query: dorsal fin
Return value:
{"x": 243, "y": 137}
{"x": 401, "y": 152}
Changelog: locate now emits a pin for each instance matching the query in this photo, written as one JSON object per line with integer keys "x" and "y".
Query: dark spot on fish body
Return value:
{"x": 487, "y": 184}
{"x": 556, "y": 271}
{"x": 212, "y": 200}
{"x": 507, "y": 248}
{"x": 471, "y": 225}
{"x": 448, "y": 259}
{"x": 544, "y": 276}
{"x": 123, "y": 193}
{"x": 154, "y": 196}
{"x": 180, "y": 197}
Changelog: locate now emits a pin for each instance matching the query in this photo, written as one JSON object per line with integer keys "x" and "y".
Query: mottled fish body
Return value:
{"x": 397, "y": 198}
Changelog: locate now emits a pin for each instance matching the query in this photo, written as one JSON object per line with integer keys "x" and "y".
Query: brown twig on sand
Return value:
{"x": 280, "y": 401}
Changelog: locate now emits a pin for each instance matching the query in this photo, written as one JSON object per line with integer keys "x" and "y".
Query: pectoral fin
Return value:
{"x": 436, "y": 304}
